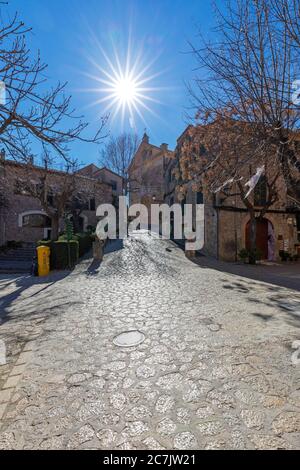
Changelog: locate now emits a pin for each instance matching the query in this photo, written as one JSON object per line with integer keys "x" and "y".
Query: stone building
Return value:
{"x": 228, "y": 226}
{"x": 147, "y": 174}
{"x": 104, "y": 175}
{"x": 173, "y": 195}
{"x": 170, "y": 183}
{"x": 22, "y": 215}
{"x": 227, "y": 218}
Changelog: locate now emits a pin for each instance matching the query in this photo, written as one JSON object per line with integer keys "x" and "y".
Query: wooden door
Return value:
{"x": 261, "y": 237}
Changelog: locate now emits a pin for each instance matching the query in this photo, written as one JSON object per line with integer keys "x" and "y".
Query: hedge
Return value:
{"x": 59, "y": 253}
{"x": 85, "y": 241}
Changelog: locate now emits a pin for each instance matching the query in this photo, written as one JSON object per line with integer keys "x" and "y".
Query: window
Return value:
{"x": 36, "y": 221}
{"x": 260, "y": 192}
{"x": 114, "y": 185}
{"x": 92, "y": 204}
{"x": 199, "y": 197}
{"x": 298, "y": 225}
{"x": 50, "y": 199}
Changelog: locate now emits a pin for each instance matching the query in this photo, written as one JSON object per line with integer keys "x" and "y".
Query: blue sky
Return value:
{"x": 72, "y": 35}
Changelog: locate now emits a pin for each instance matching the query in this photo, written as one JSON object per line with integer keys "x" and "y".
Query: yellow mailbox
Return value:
{"x": 43, "y": 256}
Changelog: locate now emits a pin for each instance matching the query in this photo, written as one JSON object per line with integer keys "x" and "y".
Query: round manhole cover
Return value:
{"x": 129, "y": 338}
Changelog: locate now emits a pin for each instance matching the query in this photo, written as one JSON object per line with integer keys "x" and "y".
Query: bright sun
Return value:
{"x": 126, "y": 90}
{"x": 124, "y": 87}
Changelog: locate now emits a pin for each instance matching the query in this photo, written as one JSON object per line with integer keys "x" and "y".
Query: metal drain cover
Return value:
{"x": 129, "y": 339}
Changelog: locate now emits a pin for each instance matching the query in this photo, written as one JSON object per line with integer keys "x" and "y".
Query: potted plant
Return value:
{"x": 284, "y": 255}
{"x": 244, "y": 255}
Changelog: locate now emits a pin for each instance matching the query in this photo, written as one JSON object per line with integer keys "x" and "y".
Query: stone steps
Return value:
{"x": 15, "y": 267}
{"x": 17, "y": 260}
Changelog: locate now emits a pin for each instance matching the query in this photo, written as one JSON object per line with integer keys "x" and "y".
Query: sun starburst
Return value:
{"x": 124, "y": 89}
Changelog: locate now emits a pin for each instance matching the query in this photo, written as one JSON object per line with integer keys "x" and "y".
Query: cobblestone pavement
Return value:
{"x": 215, "y": 369}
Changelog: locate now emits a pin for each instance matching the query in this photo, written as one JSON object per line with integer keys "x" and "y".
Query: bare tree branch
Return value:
{"x": 28, "y": 113}
{"x": 117, "y": 155}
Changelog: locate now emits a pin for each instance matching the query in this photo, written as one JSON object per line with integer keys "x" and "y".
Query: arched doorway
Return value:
{"x": 265, "y": 240}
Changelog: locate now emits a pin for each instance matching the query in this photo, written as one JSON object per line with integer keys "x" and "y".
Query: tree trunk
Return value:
{"x": 98, "y": 247}
{"x": 54, "y": 228}
{"x": 76, "y": 222}
{"x": 289, "y": 164}
{"x": 252, "y": 237}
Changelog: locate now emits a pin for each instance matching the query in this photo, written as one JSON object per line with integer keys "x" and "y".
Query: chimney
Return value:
{"x": 164, "y": 147}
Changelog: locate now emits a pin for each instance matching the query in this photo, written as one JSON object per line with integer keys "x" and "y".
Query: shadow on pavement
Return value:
{"x": 282, "y": 275}
{"x": 27, "y": 304}
{"x": 113, "y": 245}
{"x": 276, "y": 278}
{"x": 93, "y": 269}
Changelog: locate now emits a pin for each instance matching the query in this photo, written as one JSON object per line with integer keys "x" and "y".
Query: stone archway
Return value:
{"x": 46, "y": 228}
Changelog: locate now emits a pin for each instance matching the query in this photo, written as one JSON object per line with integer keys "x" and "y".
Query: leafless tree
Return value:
{"x": 199, "y": 163}
{"x": 117, "y": 155}
{"x": 3, "y": 183}
{"x": 28, "y": 111}
{"x": 246, "y": 74}
{"x": 54, "y": 190}
{"x": 288, "y": 13}
{"x": 77, "y": 203}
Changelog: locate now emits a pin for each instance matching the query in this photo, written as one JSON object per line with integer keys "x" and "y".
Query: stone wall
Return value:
{"x": 232, "y": 233}
{"x": 211, "y": 230}
{"x": 147, "y": 175}
{"x": 226, "y": 216}
{"x": 22, "y": 204}
{"x": 147, "y": 171}
{"x": 104, "y": 175}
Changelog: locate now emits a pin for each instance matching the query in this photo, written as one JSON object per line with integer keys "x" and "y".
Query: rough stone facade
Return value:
{"x": 173, "y": 195}
{"x": 170, "y": 196}
{"x": 104, "y": 175}
{"x": 20, "y": 203}
{"x": 226, "y": 218}
{"x": 226, "y": 225}
{"x": 147, "y": 174}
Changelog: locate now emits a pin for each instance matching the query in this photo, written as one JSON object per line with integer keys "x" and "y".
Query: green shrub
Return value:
{"x": 60, "y": 258}
{"x": 85, "y": 242}
{"x": 243, "y": 254}
{"x": 250, "y": 255}
{"x": 284, "y": 255}
{"x": 59, "y": 253}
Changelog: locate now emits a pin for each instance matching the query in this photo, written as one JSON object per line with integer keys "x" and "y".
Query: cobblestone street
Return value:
{"x": 215, "y": 370}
